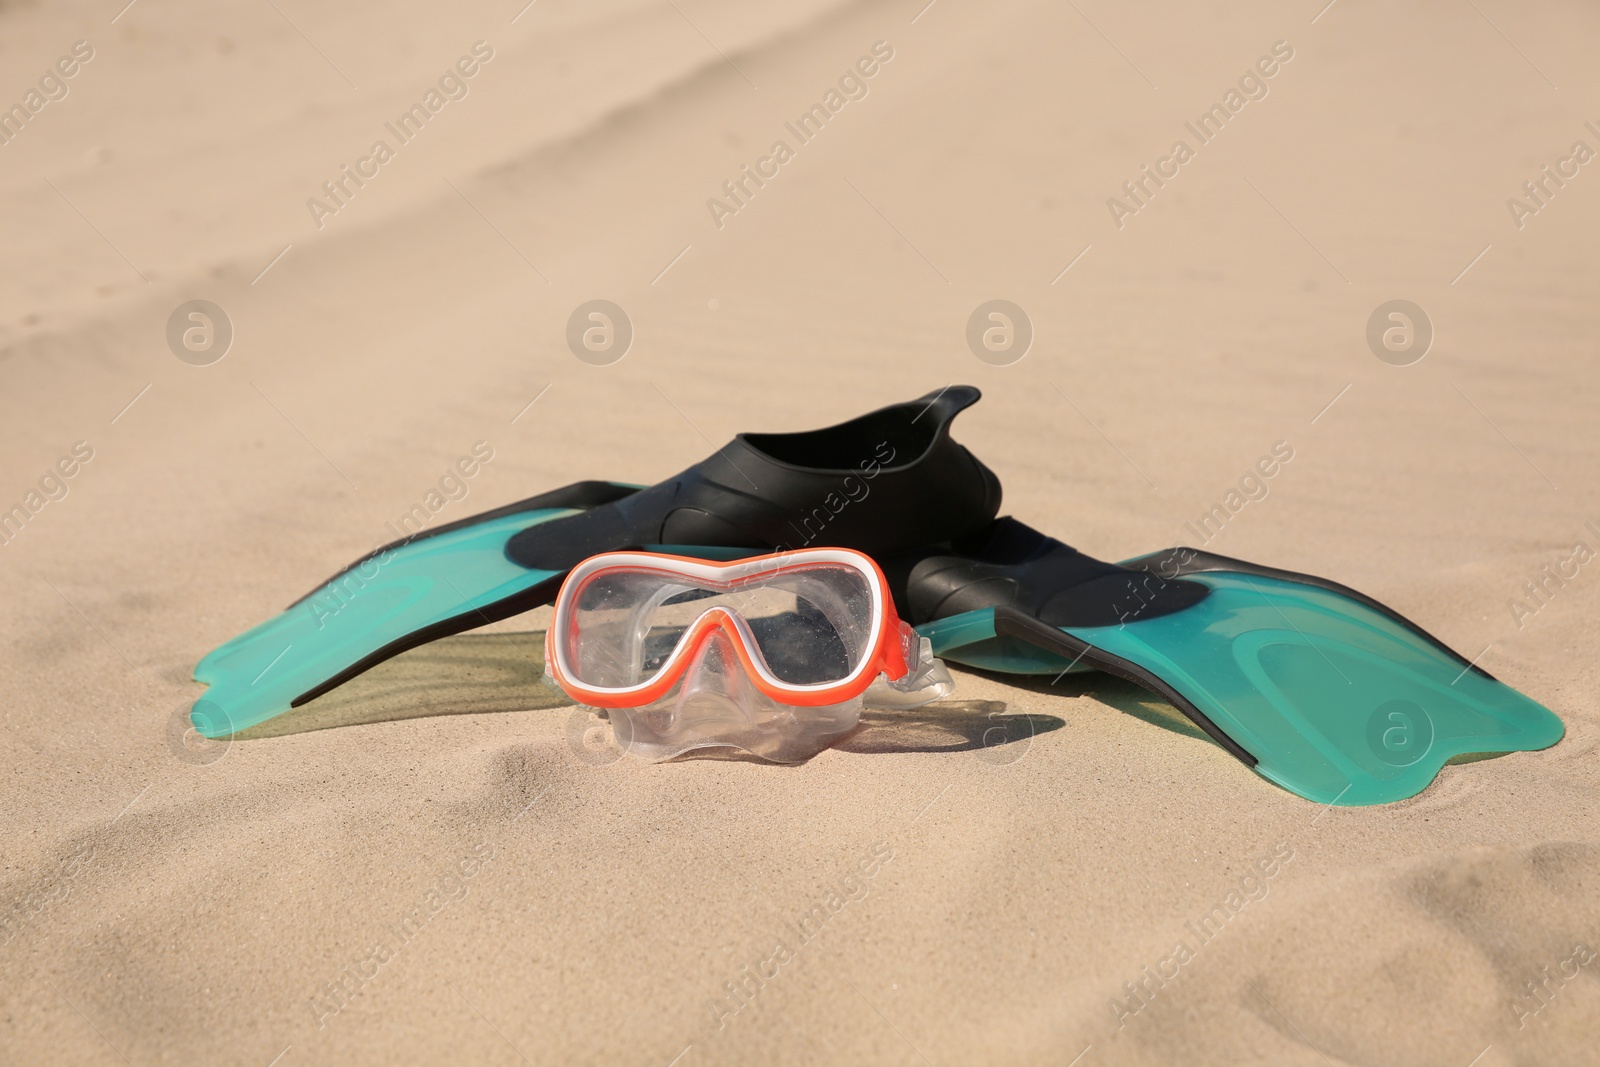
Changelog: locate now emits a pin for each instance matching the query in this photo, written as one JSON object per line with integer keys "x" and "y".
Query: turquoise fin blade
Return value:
{"x": 1337, "y": 702}
{"x": 1334, "y": 701}
{"x": 414, "y": 586}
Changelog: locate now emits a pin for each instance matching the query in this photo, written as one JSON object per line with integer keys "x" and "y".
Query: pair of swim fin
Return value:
{"x": 1320, "y": 689}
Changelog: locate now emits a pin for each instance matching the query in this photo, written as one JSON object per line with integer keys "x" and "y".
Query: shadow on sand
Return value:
{"x": 473, "y": 674}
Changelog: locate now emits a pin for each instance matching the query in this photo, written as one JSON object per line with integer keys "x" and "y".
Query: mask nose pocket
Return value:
{"x": 716, "y": 706}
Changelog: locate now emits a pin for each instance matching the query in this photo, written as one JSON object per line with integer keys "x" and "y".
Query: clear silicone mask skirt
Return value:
{"x": 775, "y": 656}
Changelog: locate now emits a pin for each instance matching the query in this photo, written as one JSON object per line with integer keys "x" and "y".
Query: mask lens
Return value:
{"x": 807, "y": 626}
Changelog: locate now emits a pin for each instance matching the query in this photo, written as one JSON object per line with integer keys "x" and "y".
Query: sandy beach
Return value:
{"x": 444, "y": 860}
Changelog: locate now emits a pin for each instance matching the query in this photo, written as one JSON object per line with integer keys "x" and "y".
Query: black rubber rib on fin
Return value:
{"x": 1009, "y": 622}
{"x": 580, "y": 495}
{"x": 1171, "y": 563}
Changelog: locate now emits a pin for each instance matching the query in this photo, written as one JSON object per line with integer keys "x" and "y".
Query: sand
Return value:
{"x": 442, "y": 863}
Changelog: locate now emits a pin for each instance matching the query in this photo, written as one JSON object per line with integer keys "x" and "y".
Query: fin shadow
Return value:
{"x": 1473, "y": 757}
{"x": 487, "y": 673}
{"x": 465, "y": 674}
